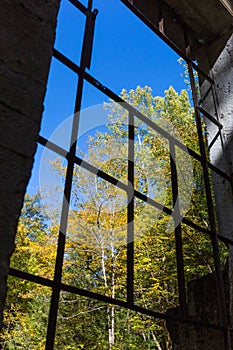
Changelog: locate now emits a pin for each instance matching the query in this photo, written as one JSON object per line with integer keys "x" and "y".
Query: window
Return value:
{"x": 133, "y": 203}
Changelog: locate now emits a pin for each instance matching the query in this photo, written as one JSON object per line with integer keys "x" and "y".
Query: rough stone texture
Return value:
{"x": 202, "y": 306}
{"x": 26, "y": 40}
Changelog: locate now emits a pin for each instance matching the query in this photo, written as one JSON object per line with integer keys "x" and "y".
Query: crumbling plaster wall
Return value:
{"x": 27, "y": 32}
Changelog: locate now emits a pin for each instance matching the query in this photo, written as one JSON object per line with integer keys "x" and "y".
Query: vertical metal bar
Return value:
{"x": 214, "y": 240}
{"x": 88, "y": 40}
{"x": 178, "y": 232}
{"x": 90, "y": 4}
{"x": 51, "y": 330}
{"x": 130, "y": 212}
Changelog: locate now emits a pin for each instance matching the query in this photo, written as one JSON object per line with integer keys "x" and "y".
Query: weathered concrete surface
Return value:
{"x": 26, "y": 40}
{"x": 202, "y": 293}
{"x": 221, "y": 152}
{"x": 202, "y": 306}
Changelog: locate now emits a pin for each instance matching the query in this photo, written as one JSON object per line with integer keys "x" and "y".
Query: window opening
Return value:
{"x": 74, "y": 161}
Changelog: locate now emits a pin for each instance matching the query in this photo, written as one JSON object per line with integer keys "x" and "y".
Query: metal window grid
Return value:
{"x": 56, "y": 284}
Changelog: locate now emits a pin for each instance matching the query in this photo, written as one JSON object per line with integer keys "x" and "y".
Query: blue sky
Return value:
{"x": 126, "y": 54}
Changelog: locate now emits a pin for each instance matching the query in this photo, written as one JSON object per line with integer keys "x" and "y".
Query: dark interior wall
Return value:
{"x": 27, "y": 33}
{"x": 197, "y": 18}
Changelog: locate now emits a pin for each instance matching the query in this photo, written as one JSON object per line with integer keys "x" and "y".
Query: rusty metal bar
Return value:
{"x": 88, "y": 294}
{"x": 85, "y": 62}
{"x": 178, "y": 232}
{"x": 206, "y": 95}
{"x": 80, "y": 7}
{"x": 130, "y": 212}
{"x": 98, "y": 85}
{"x": 210, "y": 117}
{"x": 214, "y": 139}
{"x": 89, "y": 167}
{"x": 88, "y": 40}
{"x": 90, "y": 4}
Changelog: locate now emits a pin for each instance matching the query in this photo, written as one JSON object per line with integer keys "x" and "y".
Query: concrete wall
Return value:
{"x": 202, "y": 293}
{"x": 221, "y": 153}
{"x": 202, "y": 305}
{"x": 26, "y": 41}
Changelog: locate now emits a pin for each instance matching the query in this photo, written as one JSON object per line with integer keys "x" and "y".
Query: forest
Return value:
{"x": 96, "y": 240}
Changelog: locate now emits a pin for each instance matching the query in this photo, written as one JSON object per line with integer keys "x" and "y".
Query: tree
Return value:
{"x": 28, "y": 303}
{"x": 98, "y": 217}
{"x": 95, "y": 256}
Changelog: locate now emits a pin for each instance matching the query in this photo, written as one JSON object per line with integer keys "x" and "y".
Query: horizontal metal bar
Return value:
{"x": 80, "y": 7}
{"x": 150, "y": 123}
{"x": 210, "y": 117}
{"x": 82, "y": 163}
{"x": 66, "y": 61}
{"x": 102, "y": 298}
{"x": 98, "y": 85}
{"x": 52, "y": 146}
{"x": 219, "y": 172}
{"x": 30, "y": 277}
{"x": 76, "y": 69}
{"x": 213, "y": 140}
{"x": 205, "y": 95}
{"x": 85, "y": 165}
{"x": 225, "y": 240}
{"x": 196, "y": 227}
{"x": 139, "y": 115}
{"x": 96, "y": 171}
